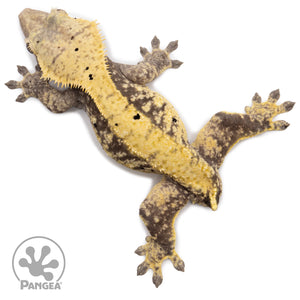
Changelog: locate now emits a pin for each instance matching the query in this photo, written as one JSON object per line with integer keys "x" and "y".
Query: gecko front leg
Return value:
{"x": 33, "y": 85}
{"x": 154, "y": 63}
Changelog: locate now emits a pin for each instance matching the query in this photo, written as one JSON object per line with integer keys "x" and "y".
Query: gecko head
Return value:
{"x": 63, "y": 45}
{"x": 39, "y": 26}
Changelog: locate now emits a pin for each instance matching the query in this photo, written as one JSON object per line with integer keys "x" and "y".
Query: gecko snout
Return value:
{"x": 31, "y": 20}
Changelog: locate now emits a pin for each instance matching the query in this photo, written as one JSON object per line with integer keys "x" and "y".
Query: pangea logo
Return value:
{"x": 39, "y": 263}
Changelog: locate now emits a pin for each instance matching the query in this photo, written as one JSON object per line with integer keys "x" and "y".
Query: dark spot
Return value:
{"x": 72, "y": 37}
{"x": 95, "y": 125}
{"x": 91, "y": 76}
{"x": 86, "y": 68}
{"x": 137, "y": 117}
{"x": 174, "y": 120}
{"x": 37, "y": 42}
{"x": 116, "y": 124}
{"x": 76, "y": 49}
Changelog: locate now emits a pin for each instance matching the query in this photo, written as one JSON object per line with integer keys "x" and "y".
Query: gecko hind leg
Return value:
{"x": 153, "y": 64}
{"x": 158, "y": 212}
{"x": 225, "y": 129}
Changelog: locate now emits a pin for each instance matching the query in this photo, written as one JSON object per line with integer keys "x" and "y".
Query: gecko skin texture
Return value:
{"x": 135, "y": 125}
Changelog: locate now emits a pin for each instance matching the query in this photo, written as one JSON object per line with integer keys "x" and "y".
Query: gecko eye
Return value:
{"x": 61, "y": 11}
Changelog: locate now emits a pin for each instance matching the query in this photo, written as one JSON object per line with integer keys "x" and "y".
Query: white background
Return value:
{"x": 56, "y": 181}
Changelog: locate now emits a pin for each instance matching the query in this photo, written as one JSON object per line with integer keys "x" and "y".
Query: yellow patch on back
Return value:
{"x": 70, "y": 51}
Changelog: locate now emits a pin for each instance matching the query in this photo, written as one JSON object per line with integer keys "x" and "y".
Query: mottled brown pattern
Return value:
{"x": 142, "y": 99}
{"x": 236, "y": 126}
{"x": 160, "y": 221}
{"x": 225, "y": 129}
{"x": 114, "y": 146}
{"x": 158, "y": 212}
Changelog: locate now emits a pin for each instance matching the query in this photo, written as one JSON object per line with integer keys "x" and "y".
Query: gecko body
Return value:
{"x": 136, "y": 126}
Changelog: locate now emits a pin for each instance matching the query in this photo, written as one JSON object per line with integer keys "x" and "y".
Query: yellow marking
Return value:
{"x": 213, "y": 200}
{"x": 64, "y": 60}
{"x": 146, "y": 107}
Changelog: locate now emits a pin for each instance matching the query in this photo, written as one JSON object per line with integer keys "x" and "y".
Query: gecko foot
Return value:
{"x": 28, "y": 84}
{"x": 153, "y": 64}
{"x": 155, "y": 255}
{"x": 159, "y": 57}
{"x": 264, "y": 112}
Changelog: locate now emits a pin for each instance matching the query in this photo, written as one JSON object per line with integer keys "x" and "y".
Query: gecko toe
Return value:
{"x": 142, "y": 268}
{"x": 256, "y": 98}
{"x": 143, "y": 51}
{"x": 286, "y": 106}
{"x": 157, "y": 279}
{"x": 176, "y": 64}
{"x": 177, "y": 262}
{"x": 172, "y": 46}
{"x": 155, "y": 43}
{"x": 21, "y": 98}
{"x": 141, "y": 250}
{"x": 12, "y": 84}
{"x": 22, "y": 70}
{"x": 274, "y": 96}
{"x": 280, "y": 125}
